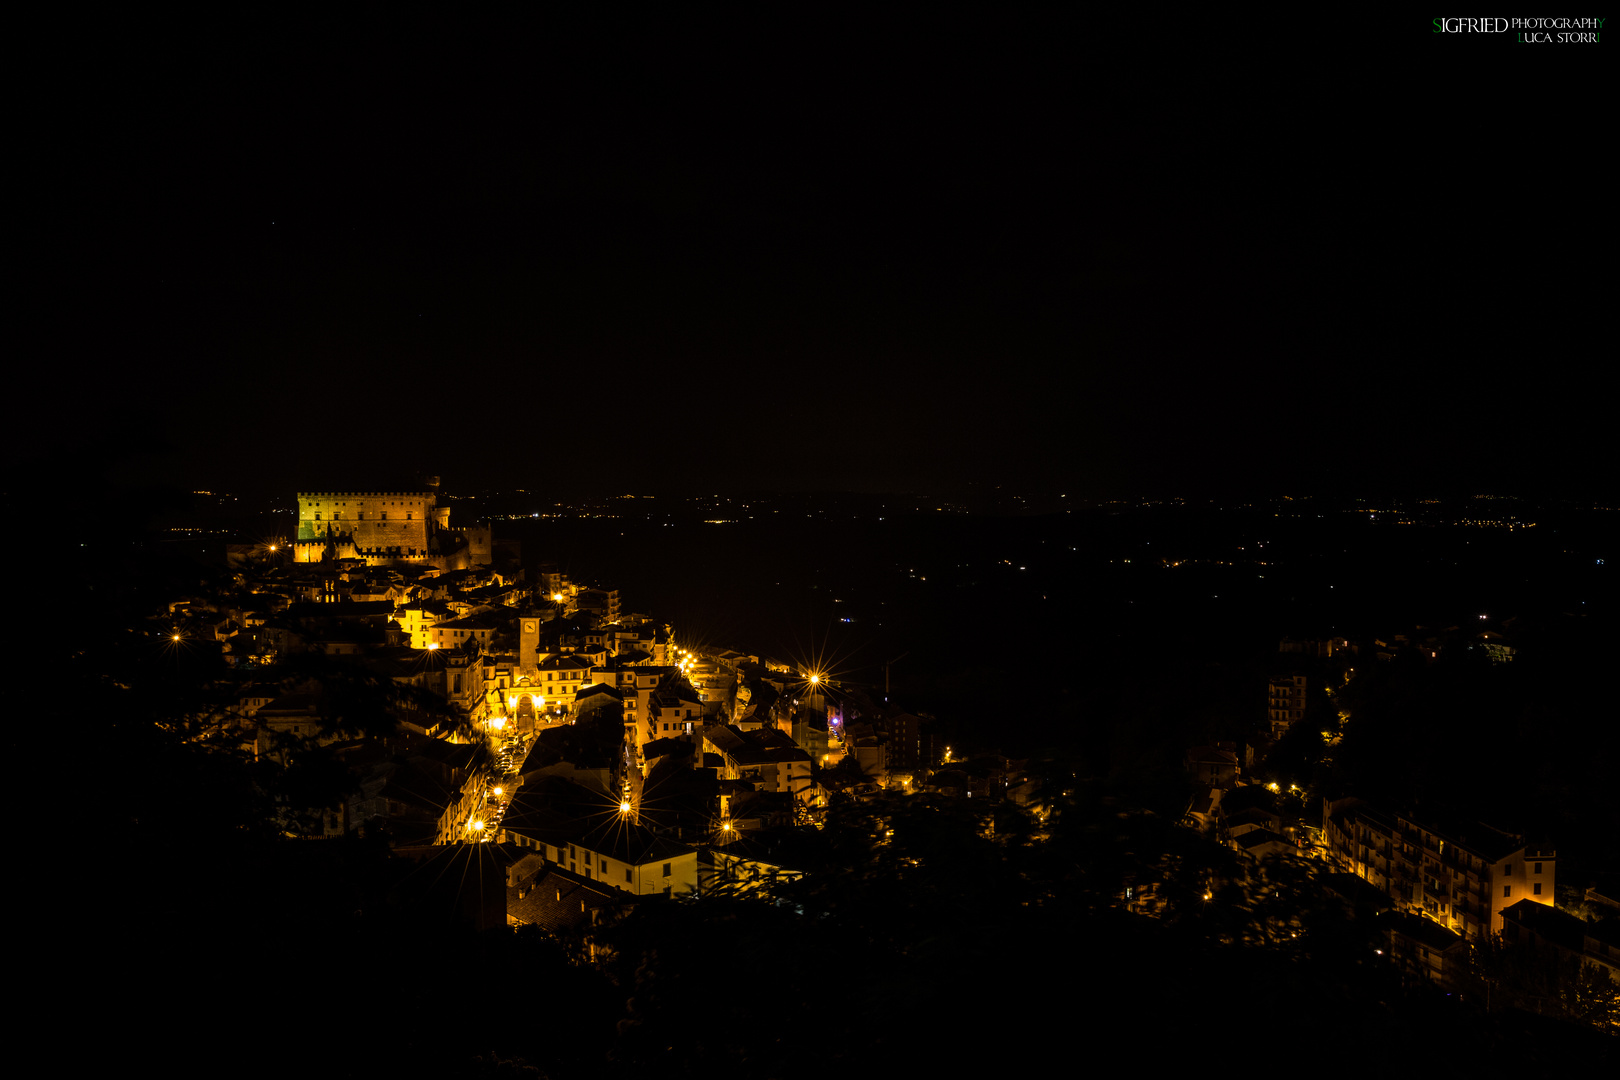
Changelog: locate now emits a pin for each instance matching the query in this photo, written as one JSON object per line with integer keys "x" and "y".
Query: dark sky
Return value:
{"x": 1098, "y": 257}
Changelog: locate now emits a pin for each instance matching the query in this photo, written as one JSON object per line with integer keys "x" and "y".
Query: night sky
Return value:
{"x": 1106, "y": 258}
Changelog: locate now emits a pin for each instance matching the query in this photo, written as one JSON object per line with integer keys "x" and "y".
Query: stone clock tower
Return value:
{"x": 528, "y": 643}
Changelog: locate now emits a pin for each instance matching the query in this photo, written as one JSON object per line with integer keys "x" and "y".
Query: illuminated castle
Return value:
{"x": 386, "y": 528}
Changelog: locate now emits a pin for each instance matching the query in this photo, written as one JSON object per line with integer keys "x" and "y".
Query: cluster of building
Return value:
{"x": 1443, "y": 882}
{"x": 583, "y": 746}
{"x": 576, "y": 755}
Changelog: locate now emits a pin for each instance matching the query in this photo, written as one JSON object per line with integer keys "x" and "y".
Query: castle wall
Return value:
{"x": 377, "y": 520}
{"x": 314, "y": 551}
{"x": 385, "y": 528}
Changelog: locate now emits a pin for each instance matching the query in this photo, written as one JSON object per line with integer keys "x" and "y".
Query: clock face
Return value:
{"x": 528, "y": 628}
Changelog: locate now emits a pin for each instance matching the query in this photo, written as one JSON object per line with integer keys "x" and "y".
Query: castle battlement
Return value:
{"x": 366, "y": 494}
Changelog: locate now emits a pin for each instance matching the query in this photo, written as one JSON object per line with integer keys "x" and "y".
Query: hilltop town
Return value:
{"x": 594, "y": 750}
{"x": 528, "y": 752}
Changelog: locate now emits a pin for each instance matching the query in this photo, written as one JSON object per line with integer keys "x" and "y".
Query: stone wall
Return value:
{"x": 377, "y": 520}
